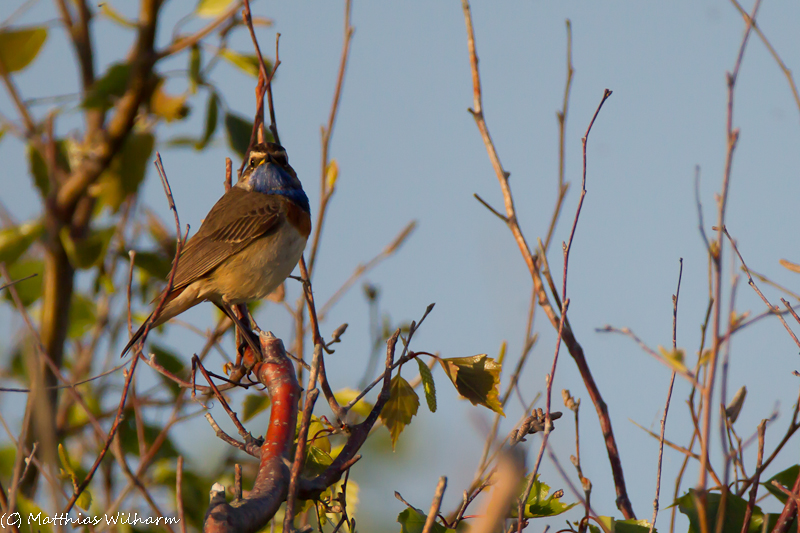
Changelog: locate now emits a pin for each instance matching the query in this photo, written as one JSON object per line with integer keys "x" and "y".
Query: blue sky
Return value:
{"x": 408, "y": 150}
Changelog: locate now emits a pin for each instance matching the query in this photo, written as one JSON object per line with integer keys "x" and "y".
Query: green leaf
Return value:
{"x": 19, "y": 47}
{"x": 345, "y": 396}
{"x": 77, "y": 415}
{"x": 38, "y": 167}
{"x": 427, "y": 385}
{"x": 89, "y": 251}
{"x": 317, "y": 434}
{"x": 31, "y": 289}
{"x": 476, "y": 378}
{"x": 8, "y": 454}
{"x": 16, "y": 240}
{"x": 247, "y": 63}
{"x": 155, "y": 264}
{"x": 211, "y": 8}
{"x": 735, "y": 508}
{"x": 194, "y": 489}
{"x": 412, "y": 520}
{"x": 539, "y": 504}
{"x": 621, "y": 526}
{"x": 212, "y": 113}
{"x": 81, "y": 316}
{"x": 126, "y": 172}
{"x": 195, "y": 66}
{"x": 785, "y": 478}
{"x": 181, "y": 141}
{"x": 317, "y": 460}
{"x": 112, "y": 85}
{"x": 66, "y": 464}
{"x": 770, "y": 520}
{"x": 402, "y": 406}
{"x": 84, "y": 501}
{"x": 239, "y": 130}
{"x": 253, "y": 404}
{"x": 28, "y": 508}
{"x": 130, "y": 439}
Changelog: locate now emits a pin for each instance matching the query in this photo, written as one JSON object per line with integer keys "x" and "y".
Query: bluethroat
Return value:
{"x": 248, "y": 243}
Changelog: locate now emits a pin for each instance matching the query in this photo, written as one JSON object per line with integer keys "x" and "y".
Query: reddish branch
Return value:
{"x": 270, "y": 488}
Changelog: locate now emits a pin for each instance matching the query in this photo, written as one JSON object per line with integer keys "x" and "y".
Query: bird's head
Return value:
{"x": 267, "y": 171}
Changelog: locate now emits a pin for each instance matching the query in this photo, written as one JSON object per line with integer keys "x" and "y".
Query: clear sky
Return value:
{"x": 408, "y": 149}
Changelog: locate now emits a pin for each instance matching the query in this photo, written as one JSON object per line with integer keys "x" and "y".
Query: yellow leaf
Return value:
{"x": 331, "y": 174}
{"x": 111, "y": 13}
{"x": 674, "y": 358}
{"x": 345, "y": 396}
{"x": 247, "y": 63}
{"x": 167, "y": 106}
{"x": 211, "y": 8}
{"x": 19, "y": 47}
{"x": 402, "y": 406}
{"x": 15, "y": 240}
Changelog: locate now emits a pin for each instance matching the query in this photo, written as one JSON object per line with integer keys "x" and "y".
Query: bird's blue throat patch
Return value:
{"x": 271, "y": 179}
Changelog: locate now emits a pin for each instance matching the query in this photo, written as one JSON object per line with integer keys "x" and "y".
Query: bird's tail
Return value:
{"x": 136, "y": 336}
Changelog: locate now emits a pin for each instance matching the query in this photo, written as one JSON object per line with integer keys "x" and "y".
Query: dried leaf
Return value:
{"x": 476, "y": 378}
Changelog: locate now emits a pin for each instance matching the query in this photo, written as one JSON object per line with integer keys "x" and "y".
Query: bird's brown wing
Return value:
{"x": 238, "y": 218}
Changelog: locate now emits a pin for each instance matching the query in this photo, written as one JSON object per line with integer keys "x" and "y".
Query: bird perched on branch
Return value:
{"x": 248, "y": 243}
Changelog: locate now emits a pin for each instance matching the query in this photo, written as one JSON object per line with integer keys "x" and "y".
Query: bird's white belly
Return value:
{"x": 257, "y": 270}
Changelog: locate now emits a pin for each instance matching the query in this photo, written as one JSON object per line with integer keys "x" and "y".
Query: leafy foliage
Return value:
{"x": 412, "y": 520}
{"x": 427, "y": 384}
{"x": 621, "y": 526}
{"x": 476, "y": 378}
{"x": 402, "y": 406}
{"x": 15, "y": 240}
{"x": 253, "y": 404}
{"x": 735, "y": 508}
{"x": 786, "y": 478}
{"x": 541, "y": 503}
{"x": 239, "y": 130}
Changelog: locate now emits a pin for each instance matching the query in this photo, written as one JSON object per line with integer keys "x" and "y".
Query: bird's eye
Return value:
{"x": 253, "y": 162}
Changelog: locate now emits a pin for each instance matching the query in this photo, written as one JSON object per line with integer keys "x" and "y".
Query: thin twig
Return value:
{"x": 137, "y": 350}
{"x": 772, "y": 308}
{"x": 326, "y": 189}
{"x": 190, "y": 40}
{"x": 435, "y": 504}
{"x": 561, "y": 116}
{"x": 788, "y": 73}
{"x": 568, "y": 337}
{"x": 732, "y": 137}
{"x": 669, "y": 398}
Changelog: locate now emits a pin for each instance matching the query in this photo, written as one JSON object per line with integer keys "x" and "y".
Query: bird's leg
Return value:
{"x": 254, "y": 345}
{"x": 241, "y": 312}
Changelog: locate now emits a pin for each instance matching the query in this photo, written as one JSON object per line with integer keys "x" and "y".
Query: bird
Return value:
{"x": 247, "y": 245}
